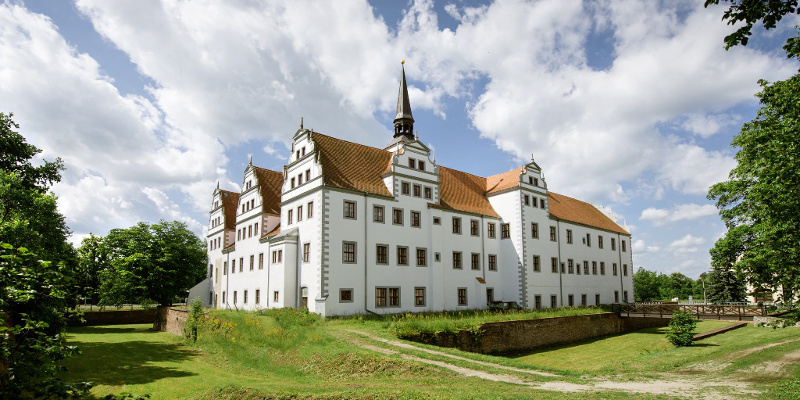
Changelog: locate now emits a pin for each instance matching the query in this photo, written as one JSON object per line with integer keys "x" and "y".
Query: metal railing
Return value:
{"x": 701, "y": 311}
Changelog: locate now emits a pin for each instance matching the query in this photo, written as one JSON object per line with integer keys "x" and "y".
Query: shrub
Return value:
{"x": 193, "y": 320}
{"x": 681, "y": 327}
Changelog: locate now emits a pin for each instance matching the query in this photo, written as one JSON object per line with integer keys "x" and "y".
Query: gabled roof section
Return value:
{"x": 353, "y": 166}
{"x": 573, "y": 210}
{"x": 273, "y": 232}
{"x": 464, "y": 192}
{"x": 500, "y": 182}
{"x": 230, "y": 201}
{"x": 269, "y": 185}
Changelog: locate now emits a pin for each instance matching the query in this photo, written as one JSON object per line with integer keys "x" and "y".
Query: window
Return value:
{"x": 250, "y": 231}
{"x": 402, "y": 255}
{"x": 457, "y": 259}
{"x": 380, "y": 297}
{"x": 299, "y": 213}
{"x": 428, "y": 193}
{"x": 613, "y": 244}
{"x": 506, "y": 231}
{"x": 602, "y": 268}
{"x": 382, "y": 254}
{"x": 349, "y": 209}
{"x": 306, "y": 252}
{"x": 293, "y": 185}
{"x": 233, "y": 266}
{"x": 535, "y": 181}
{"x": 586, "y": 268}
{"x": 535, "y": 202}
{"x": 616, "y": 296}
{"x": 244, "y": 297}
{"x": 223, "y": 297}
{"x": 255, "y": 229}
{"x": 415, "y": 219}
{"x": 258, "y": 296}
{"x": 569, "y": 236}
{"x": 489, "y": 295}
{"x": 597, "y": 299}
{"x": 417, "y": 190}
{"x": 553, "y": 301}
{"x": 235, "y": 296}
{"x": 473, "y": 227}
{"x": 252, "y": 262}
{"x": 530, "y": 180}
{"x": 419, "y": 297}
{"x": 437, "y": 221}
{"x": 537, "y": 302}
{"x": 571, "y": 300}
{"x": 536, "y": 264}
{"x": 534, "y": 230}
{"x": 492, "y": 262}
{"x": 570, "y": 266}
{"x": 377, "y": 214}
{"x": 594, "y": 267}
{"x": 588, "y": 240}
{"x": 421, "y": 165}
{"x": 625, "y": 296}
{"x": 310, "y": 209}
{"x": 599, "y": 242}
{"x": 527, "y": 200}
{"x": 622, "y": 245}
{"x": 624, "y": 269}
{"x": 462, "y": 296}
{"x": 238, "y": 234}
{"x": 554, "y": 264}
{"x": 274, "y": 256}
{"x": 541, "y": 204}
{"x": 348, "y": 252}
{"x": 241, "y": 264}
{"x": 225, "y": 268}
{"x": 476, "y": 260}
{"x": 552, "y": 233}
{"x": 412, "y": 163}
{"x": 308, "y": 175}
{"x": 276, "y": 295}
{"x": 614, "y": 269}
{"x": 404, "y": 188}
{"x": 387, "y": 297}
{"x": 260, "y": 261}
{"x": 300, "y": 179}
{"x": 280, "y": 256}
{"x": 422, "y": 257}
{"x": 583, "y": 300}
{"x": 457, "y": 225}
{"x": 437, "y": 257}
{"x": 397, "y": 216}
{"x": 491, "y": 230}
{"x": 345, "y": 295}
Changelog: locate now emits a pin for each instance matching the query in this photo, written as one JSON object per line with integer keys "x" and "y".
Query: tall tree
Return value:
{"x": 645, "y": 285}
{"x": 746, "y": 13}
{"x": 759, "y": 202}
{"x": 158, "y": 263}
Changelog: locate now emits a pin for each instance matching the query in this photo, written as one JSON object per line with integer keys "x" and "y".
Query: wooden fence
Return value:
{"x": 701, "y": 311}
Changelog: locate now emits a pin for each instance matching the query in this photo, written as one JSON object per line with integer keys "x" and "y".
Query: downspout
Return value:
{"x": 560, "y": 270}
{"x": 227, "y": 279}
{"x": 522, "y": 244}
{"x": 366, "y": 266}
{"x": 619, "y": 254}
{"x": 269, "y": 267}
{"x": 483, "y": 251}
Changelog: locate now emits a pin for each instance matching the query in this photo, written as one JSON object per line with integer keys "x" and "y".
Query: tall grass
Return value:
{"x": 405, "y": 325}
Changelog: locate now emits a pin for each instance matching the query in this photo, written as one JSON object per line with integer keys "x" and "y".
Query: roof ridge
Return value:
{"x": 511, "y": 170}
{"x": 229, "y": 191}
{"x": 354, "y": 143}
{"x": 266, "y": 169}
{"x": 456, "y": 170}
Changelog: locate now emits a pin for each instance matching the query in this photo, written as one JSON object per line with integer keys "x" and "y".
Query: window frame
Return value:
{"x": 349, "y": 211}
{"x": 381, "y": 260}
{"x": 345, "y": 252}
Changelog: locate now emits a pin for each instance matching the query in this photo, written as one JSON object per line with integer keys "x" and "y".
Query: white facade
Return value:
{"x": 312, "y": 236}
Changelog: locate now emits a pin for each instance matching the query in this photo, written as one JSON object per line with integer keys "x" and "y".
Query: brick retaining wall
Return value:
{"x": 170, "y": 320}
{"x": 116, "y": 317}
{"x": 523, "y": 335}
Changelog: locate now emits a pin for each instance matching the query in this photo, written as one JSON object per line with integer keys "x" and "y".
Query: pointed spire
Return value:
{"x": 403, "y": 120}
{"x": 301, "y": 123}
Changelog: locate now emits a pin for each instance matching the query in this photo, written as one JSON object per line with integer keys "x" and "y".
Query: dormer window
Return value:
{"x": 297, "y": 155}
{"x": 412, "y": 163}
{"x": 303, "y": 151}
{"x": 421, "y": 165}
{"x": 535, "y": 181}
{"x": 530, "y": 180}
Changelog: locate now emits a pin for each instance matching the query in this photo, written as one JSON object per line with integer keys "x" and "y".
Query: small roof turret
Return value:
{"x": 403, "y": 120}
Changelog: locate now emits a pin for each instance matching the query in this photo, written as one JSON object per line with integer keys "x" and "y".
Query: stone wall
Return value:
{"x": 170, "y": 320}
{"x": 115, "y": 317}
{"x": 524, "y": 335}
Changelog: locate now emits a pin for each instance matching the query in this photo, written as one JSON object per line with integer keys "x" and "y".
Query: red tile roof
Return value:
{"x": 464, "y": 192}
{"x": 269, "y": 185}
{"x": 500, "y": 182}
{"x": 353, "y": 166}
{"x": 230, "y": 200}
{"x": 569, "y": 209}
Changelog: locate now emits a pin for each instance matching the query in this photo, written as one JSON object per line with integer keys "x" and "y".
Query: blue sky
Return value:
{"x": 628, "y": 104}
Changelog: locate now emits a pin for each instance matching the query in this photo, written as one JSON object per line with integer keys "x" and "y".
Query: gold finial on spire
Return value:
{"x": 402, "y": 62}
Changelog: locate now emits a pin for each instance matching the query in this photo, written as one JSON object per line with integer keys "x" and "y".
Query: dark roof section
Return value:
{"x": 464, "y": 192}
{"x": 353, "y": 166}
{"x": 573, "y": 210}
{"x": 269, "y": 185}
{"x": 230, "y": 201}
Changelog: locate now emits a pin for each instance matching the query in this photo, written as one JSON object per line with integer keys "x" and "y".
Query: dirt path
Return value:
{"x": 695, "y": 388}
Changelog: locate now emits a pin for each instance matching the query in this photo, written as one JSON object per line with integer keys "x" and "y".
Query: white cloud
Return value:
{"x": 708, "y": 125}
{"x": 686, "y": 244}
{"x": 680, "y": 212}
{"x": 639, "y": 246}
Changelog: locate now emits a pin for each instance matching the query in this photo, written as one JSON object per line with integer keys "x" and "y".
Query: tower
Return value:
{"x": 403, "y": 120}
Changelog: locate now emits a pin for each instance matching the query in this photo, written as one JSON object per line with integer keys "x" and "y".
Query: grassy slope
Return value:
{"x": 246, "y": 355}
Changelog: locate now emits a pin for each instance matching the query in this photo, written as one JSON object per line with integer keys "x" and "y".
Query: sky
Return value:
{"x": 630, "y": 105}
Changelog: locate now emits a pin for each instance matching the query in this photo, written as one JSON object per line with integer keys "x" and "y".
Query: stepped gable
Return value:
{"x": 352, "y": 166}
{"x": 230, "y": 201}
{"x": 573, "y": 210}
{"x": 506, "y": 180}
{"x": 464, "y": 192}
{"x": 269, "y": 185}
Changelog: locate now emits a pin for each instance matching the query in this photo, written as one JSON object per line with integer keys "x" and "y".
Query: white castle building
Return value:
{"x": 351, "y": 229}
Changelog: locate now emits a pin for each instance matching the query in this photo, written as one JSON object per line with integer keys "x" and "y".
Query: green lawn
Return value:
{"x": 294, "y": 355}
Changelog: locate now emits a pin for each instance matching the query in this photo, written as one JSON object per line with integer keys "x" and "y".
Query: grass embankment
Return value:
{"x": 405, "y": 325}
